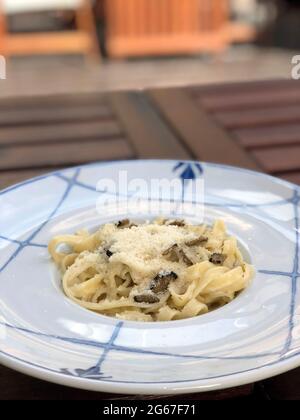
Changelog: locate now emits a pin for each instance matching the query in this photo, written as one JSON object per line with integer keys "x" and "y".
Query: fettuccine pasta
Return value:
{"x": 157, "y": 271}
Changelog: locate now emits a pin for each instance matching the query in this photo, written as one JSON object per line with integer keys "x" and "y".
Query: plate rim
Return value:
{"x": 198, "y": 386}
{"x": 163, "y": 388}
{"x": 31, "y": 180}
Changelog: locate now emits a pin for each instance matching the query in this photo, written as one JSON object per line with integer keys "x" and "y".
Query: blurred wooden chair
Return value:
{"x": 82, "y": 40}
{"x": 141, "y": 27}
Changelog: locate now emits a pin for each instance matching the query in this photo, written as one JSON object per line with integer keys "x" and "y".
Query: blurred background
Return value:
{"x": 66, "y": 45}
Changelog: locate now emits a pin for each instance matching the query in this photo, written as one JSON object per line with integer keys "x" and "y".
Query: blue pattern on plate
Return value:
{"x": 190, "y": 170}
{"x": 187, "y": 171}
{"x": 95, "y": 372}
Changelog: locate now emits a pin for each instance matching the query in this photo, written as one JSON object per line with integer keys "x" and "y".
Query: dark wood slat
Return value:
{"x": 52, "y": 101}
{"x": 284, "y": 387}
{"x": 288, "y": 94}
{"x": 269, "y": 136}
{"x": 63, "y": 154}
{"x": 148, "y": 133}
{"x": 198, "y": 131}
{"x": 61, "y": 132}
{"x": 242, "y": 87}
{"x": 278, "y": 159}
{"x": 292, "y": 177}
{"x": 259, "y": 116}
{"x": 53, "y": 115}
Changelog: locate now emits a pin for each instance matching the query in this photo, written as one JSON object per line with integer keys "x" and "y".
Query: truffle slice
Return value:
{"x": 146, "y": 298}
{"x": 161, "y": 282}
{"x": 217, "y": 258}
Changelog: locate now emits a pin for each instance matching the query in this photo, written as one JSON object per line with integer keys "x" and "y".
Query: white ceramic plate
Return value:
{"x": 45, "y": 335}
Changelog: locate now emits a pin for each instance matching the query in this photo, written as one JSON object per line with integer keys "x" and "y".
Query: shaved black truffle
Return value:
{"x": 179, "y": 223}
{"x": 161, "y": 282}
{"x": 217, "y": 258}
{"x": 146, "y": 298}
{"x": 185, "y": 258}
{"x": 172, "y": 253}
{"x": 109, "y": 253}
{"x": 123, "y": 223}
{"x": 198, "y": 241}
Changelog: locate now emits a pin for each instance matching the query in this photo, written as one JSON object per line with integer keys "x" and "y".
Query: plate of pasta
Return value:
{"x": 182, "y": 279}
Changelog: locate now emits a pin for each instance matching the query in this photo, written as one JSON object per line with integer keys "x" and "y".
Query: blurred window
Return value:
{"x": 22, "y": 6}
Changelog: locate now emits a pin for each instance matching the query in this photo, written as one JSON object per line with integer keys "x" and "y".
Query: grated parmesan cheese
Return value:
{"x": 141, "y": 248}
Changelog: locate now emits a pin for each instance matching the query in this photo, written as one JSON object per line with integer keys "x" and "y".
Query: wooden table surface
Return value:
{"x": 253, "y": 125}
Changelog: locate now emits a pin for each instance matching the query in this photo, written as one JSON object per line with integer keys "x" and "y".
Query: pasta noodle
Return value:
{"x": 157, "y": 271}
